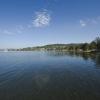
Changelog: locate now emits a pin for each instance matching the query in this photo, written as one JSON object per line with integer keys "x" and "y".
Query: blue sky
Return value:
{"x": 25, "y": 23}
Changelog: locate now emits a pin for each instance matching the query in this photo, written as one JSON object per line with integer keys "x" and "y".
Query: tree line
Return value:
{"x": 94, "y": 46}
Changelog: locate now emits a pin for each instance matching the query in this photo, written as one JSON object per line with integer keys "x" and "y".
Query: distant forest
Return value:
{"x": 94, "y": 46}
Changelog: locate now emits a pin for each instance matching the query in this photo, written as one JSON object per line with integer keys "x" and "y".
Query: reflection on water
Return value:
{"x": 41, "y": 80}
{"x": 49, "y": 75}
{"x": 86, "y": 56}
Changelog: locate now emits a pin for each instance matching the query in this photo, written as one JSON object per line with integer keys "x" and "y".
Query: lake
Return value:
{"x": 50, "y": 75}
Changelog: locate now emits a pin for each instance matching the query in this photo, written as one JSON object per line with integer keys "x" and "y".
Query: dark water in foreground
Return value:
{"x": 49, "y": 76}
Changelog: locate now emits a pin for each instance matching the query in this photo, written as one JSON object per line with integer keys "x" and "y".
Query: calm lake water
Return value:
{"x": 49, "y": 76}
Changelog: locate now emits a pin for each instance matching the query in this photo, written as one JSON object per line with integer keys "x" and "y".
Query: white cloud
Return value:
{"x": 90, "y": 21}
{"x": 8, "y": 32}
{"x": 83, "y": 23}
{"x": 41, "y": 19}
{"x": 18, "y": 29}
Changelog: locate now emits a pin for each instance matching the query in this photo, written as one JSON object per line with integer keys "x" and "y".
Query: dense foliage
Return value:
{"x": 94, "y": 46}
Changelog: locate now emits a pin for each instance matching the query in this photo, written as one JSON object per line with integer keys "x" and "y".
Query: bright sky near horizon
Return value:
{"x": 25, "y": 23}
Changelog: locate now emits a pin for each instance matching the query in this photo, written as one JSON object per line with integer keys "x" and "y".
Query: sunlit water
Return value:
{"x": 49, "y": 76}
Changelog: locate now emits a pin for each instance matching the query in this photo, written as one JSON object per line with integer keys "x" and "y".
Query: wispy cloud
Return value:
{"x": 17, "y": 30}
{"x": 90, "y": 21}
{"x": 82, "y": 23}
{"x": 7, "y": 32}
{"x": 41, "y": 18}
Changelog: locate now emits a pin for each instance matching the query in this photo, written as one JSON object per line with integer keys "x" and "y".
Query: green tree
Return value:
{"x": 93, "y": 45}
{"x": 85, "y": 46}
{"x": 97, "y": 40}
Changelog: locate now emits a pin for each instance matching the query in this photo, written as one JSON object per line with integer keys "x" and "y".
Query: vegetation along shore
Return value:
{"x": 94, "y": 46}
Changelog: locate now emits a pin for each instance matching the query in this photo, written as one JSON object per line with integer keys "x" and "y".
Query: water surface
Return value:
{"x": 49, "y": 76}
